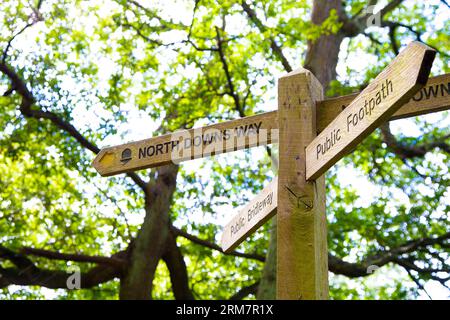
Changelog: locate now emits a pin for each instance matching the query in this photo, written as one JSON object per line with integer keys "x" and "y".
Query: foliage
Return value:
{"x": 98, "y": 64}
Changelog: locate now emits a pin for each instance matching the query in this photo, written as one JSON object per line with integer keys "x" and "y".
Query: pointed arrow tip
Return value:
{"x": 103, "y": 160}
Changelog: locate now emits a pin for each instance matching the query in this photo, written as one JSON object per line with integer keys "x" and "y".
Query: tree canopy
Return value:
{"x": 76, "y": 76}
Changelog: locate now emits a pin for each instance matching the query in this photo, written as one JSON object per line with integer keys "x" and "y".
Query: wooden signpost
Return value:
{"x": 433, "y": 97}
{"x": 313, "y": 134}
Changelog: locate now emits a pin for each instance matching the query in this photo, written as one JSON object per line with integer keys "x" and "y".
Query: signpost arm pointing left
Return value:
{"x": 200, "y": 142}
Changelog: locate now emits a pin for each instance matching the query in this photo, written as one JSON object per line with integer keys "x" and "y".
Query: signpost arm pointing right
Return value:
{"x": 392, "y": 88}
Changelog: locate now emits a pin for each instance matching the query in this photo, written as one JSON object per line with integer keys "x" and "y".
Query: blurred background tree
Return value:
{"x": 78, "y": 75}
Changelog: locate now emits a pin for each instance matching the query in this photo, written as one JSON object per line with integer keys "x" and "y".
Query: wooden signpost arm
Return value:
{"x": 189, "y": 144}
{"x": 302, "y": 262}
{"x": 391, "y": 89}
{"x": 250, "y": 217}
{"x": 433, "y": 97}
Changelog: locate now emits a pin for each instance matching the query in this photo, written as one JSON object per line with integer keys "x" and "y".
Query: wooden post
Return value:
{"x": 302, "y": 258}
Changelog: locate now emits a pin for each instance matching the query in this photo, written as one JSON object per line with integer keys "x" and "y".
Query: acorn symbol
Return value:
{"x": 126, "y": 156}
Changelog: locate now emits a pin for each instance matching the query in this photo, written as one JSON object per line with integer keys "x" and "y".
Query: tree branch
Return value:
{"x": 335, "y": 264}
{"x": 164, "y": 26}
{"x": 35, "y": 18}
{"x": 27, "y": 273}
{"x": 245, "y": 291}
{"x": 390, "y": 7}
{"x": 213, "y": 246}
{"x": 231, "y": 88}
{"x": 417, "y": 282}
{"x": 355, "y": 25}
{"x": 112, "y": 261}
{"x": 26, "y": 109}
{"x": 177, "y": 269}
{"x": 394, "y": 25}
{"x": 353, "y": 270}
{"x": 446, "y": 3}
{"x": 393, "y": 40}
{"x": 276, "y": 49}
{"x": 416, "y": 151}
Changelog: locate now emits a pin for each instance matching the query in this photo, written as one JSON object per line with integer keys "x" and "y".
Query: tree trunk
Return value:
{"x": 321, "y": 59}
{"x": 323, "y": 54}
{"x": 177, "y": 269}
{"x": 150, "y": 243}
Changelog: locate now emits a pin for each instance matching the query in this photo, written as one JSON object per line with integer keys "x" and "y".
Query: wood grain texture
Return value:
{"x": 433, "y": 97}
{"x": 392, "y": 88}
{"x": 252, "y": 216}
{"x": 302, "y": 261}
{"x": 188, "y": 144}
